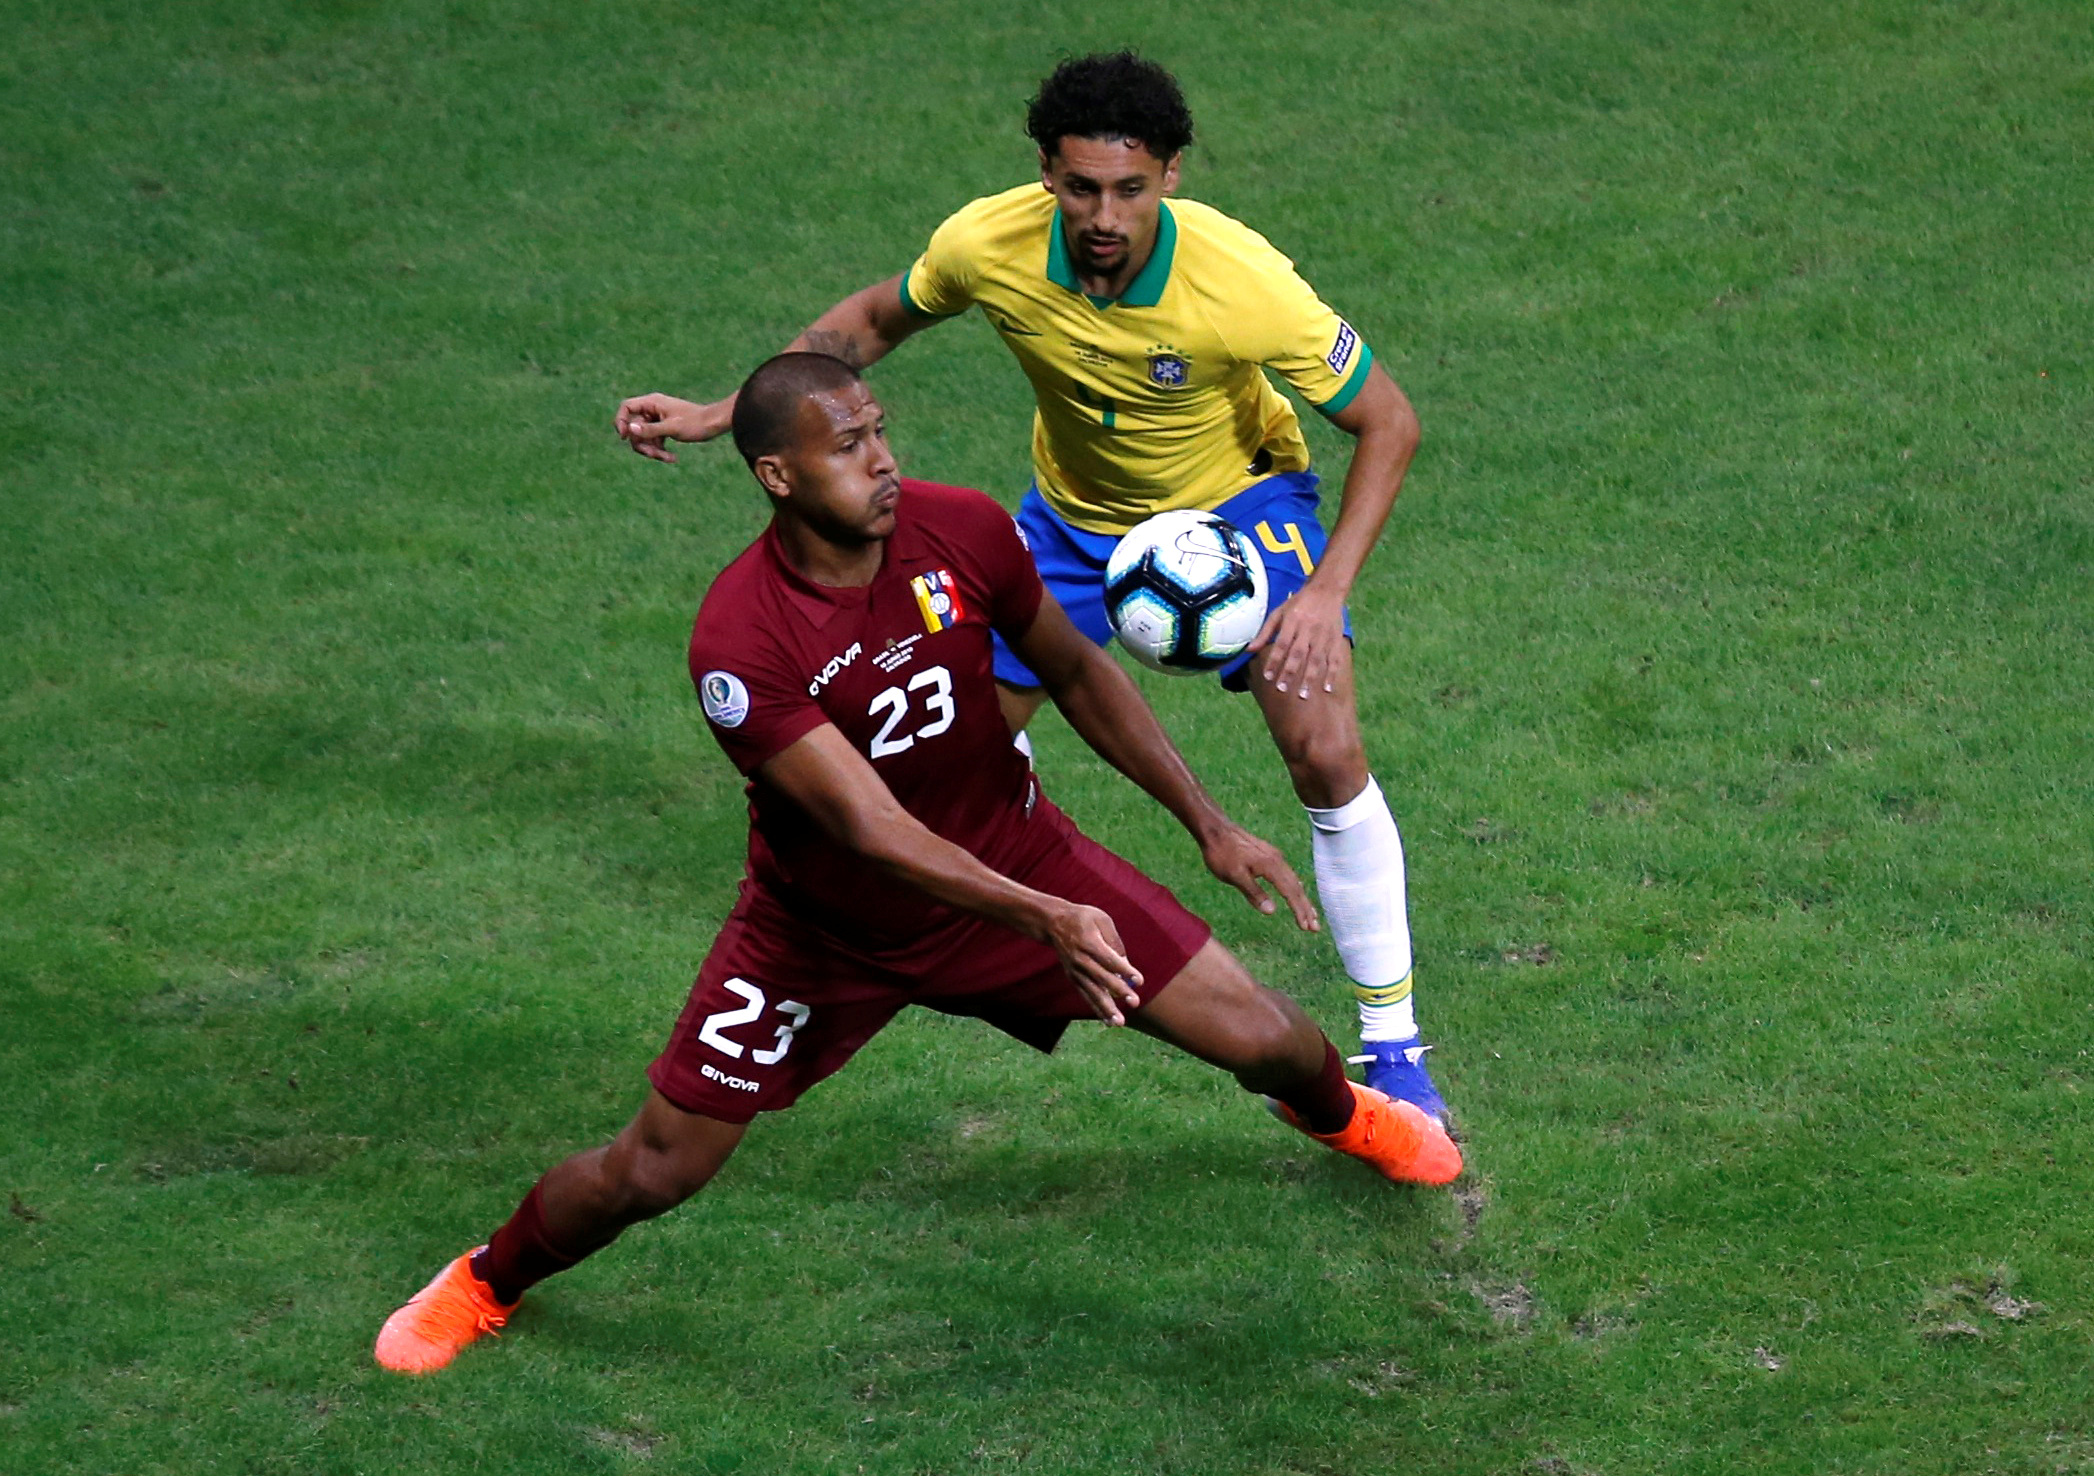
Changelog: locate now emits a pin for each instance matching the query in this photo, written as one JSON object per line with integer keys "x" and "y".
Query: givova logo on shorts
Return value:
{"x": 713, "y": 1073}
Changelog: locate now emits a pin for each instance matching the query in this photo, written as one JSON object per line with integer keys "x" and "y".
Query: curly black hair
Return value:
{"x": 1120, "y": 95}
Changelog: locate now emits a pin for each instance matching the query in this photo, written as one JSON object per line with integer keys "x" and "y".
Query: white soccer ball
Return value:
{"x": 1185, "y": 591}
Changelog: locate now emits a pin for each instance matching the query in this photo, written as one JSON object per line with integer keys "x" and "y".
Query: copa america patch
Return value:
{"x": 725, "y": 699}
{"x": 1341, "y": 352}
{"x": 1168, "y": 371}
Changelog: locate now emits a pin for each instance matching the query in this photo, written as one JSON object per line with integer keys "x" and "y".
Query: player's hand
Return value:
{"x": 1094, "y": 957}
{"x": 1300, "y": 641}
{"x": 1251, "y": 865}
{"x": 649, "y": 422}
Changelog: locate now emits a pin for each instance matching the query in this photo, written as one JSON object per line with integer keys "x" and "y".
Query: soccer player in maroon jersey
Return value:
{"x": 1146, "y": 324}
{"x": 900, "y": 851}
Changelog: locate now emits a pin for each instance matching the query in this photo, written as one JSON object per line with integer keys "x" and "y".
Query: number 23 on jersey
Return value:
{"x": 928, "y": 692}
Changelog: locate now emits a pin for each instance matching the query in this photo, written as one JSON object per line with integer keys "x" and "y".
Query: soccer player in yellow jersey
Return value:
{"x": 1146, "y": 325}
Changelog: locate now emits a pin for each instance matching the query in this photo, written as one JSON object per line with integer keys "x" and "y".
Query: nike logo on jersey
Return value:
{"x": 1011, "y": 326}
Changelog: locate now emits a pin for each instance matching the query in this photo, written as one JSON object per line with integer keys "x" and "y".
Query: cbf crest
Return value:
{"x": 1168, "y": 369}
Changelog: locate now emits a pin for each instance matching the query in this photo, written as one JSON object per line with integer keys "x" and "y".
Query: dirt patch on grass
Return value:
{"x": 294, "y": 1153}
{"x": 1509, "y": 1303}
{"x": 636, "y": 1443}
{"x": 1973, "y": 1308}
{"x": 2003, "y": 1305}
{"x": 1472, "y": 1198}
{"x": 1372, "y": 1379}
{"x": 1948, "y": 1330}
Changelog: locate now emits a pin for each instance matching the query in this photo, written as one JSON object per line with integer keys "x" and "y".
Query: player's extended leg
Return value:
{"x": 1359, "y": 872}
{"x": 1216, "y": 1011}
{"x": 663, "y": 1157}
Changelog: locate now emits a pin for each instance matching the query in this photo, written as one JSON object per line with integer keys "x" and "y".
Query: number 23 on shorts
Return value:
{"x": 711, "y": 1031}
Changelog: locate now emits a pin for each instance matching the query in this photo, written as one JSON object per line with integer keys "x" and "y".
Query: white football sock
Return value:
{"x": 1359, "y": 876}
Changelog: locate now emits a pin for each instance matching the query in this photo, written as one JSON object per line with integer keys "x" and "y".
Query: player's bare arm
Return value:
{"x": 1301, "y": 640}
{"x": 842, "y": 793}
{"x": 1107, "y": 711}
{"x": 862, "y": 329}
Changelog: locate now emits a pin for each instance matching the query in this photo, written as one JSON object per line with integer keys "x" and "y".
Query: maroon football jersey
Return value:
{"x": 902, "y": 668}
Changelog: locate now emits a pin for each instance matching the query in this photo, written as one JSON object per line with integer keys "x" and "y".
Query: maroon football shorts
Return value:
{"x": 778, "y": 1006}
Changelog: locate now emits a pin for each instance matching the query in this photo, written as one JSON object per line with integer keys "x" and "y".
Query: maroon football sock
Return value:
{"x": 1324, "y": 1102}
{"x": 522, "y": 1253}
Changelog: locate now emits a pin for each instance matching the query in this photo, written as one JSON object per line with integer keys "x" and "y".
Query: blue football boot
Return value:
{"x": 1396, "y": 1068}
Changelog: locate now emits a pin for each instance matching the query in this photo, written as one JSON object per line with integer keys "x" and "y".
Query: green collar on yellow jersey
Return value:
{"x": 1146, "y": 290}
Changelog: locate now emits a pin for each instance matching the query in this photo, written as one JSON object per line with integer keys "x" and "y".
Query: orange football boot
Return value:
{"x": 440, "y": 1319}
{"x": 1402, "y": 1143}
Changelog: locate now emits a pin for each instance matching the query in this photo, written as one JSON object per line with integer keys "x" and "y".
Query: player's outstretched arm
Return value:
{"x": 860, "y": 330}
{"x": 1106, "y": 709}
{"x": 843, "y": 794}
{"x": 1300, "y": 639}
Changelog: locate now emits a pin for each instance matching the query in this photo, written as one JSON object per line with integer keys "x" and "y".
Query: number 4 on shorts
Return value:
{"x": 796, "y": 1015}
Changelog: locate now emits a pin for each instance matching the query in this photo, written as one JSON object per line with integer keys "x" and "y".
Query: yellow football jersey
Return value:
{"x": 1156, "y": 399}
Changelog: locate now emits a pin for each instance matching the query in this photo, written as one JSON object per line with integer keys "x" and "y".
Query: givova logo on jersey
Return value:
{"x": 836, "y": 664}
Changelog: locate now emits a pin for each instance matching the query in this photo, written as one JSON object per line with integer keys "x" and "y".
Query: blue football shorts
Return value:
{"x": 1278, "y": 513}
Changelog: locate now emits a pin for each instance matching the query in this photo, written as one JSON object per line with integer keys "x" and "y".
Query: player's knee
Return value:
{"x": 1327, "y": 768}
{"x": 654, "y": 1188}
{"x": 1264, "y": 1029}
{"x": 657, "y": 1180}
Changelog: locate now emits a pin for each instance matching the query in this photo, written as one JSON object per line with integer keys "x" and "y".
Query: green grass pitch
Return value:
{"x": 1728, "y": 663}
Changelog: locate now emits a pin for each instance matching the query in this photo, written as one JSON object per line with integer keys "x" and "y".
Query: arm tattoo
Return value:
{"x": 836, "y": 345}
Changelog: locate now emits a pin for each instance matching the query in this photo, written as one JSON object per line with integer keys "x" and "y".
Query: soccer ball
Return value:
{"x": 1185, "y": 592}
